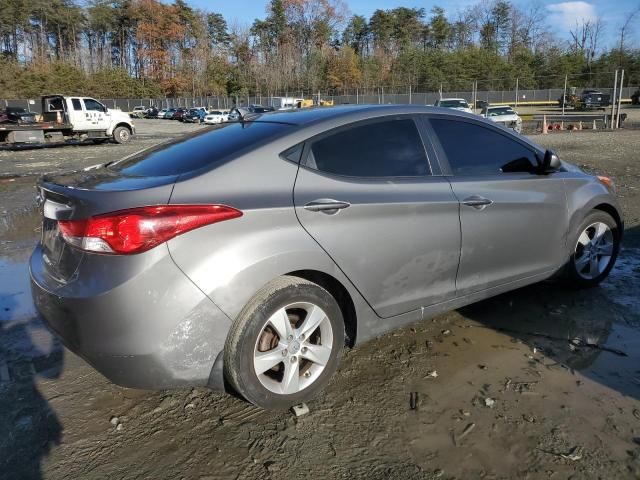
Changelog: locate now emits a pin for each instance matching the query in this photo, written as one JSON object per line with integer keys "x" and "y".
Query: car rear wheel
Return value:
{"x": 285, "y": 345}
{"x": 595, "y": 248}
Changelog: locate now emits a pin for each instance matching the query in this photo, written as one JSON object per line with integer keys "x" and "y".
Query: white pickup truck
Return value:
{"x": 70, "y": 119}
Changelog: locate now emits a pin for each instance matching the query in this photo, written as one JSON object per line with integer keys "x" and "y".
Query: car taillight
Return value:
{"x": 137, "y": 230}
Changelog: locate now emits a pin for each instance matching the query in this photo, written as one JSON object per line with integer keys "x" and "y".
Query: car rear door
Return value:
{"x": 513, "y": 221}
{"x": 369, "y": 196}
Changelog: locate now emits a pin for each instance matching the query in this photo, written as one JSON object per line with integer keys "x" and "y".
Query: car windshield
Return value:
{"x": 194, "y": 110}
{"x": 203, "y": 149}
{"x": 454, "y": 104}
{"x": 215, "y": 112}
{"x": 494, "y": 112}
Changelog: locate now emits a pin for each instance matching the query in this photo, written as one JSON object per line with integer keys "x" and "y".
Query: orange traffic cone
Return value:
{"x": 594, "y": 125}
{"x": 580, "y": 125}
{"x": 58, "y": 117}
{"x": 545, "y": 127}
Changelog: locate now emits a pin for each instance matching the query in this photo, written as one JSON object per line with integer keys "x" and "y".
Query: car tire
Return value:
{"x": 273, "y": 329}
{"x": 595, "y": 246}
{"x": 121, "y": 135}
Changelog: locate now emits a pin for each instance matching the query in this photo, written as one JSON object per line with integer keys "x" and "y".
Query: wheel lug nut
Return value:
{"x": 284, "y": 352}
{"x": 294, "y": 359}
{"x": 301, "y": 336}
{"x": 289, "y": 337}
{"x": 304, "y": 350}
{"x": 307, "y": 374}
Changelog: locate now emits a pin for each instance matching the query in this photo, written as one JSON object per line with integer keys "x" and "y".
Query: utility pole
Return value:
{"x": 517, "y": 84}
{"x": 409, "y": 94}
{"x": 564, "y": 94}
{"x": 619, "y": 99}
{"x": 613, "y": 100}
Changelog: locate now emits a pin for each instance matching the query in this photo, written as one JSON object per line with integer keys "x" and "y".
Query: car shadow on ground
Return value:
{"x": 595, "y": 331}
{"x": 29, "y": 427}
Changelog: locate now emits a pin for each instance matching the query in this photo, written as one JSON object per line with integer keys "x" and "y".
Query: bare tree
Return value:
{"x": 624, "y": 28}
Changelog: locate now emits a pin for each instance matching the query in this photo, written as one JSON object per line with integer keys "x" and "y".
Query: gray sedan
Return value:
{"x": 247, "y": 256}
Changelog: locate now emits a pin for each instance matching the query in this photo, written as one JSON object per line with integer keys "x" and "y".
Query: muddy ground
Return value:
{"x": 540, "y": 383}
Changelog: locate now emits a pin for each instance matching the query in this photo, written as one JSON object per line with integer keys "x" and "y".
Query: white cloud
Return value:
{"x": 568, "y": 13}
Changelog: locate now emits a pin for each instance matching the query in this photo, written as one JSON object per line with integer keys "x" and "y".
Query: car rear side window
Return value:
{"x": 203, "y": 149}
{"x": 77, "y": 106}
{"x": 472, "y": 149}
{"x": 389, "y": 148}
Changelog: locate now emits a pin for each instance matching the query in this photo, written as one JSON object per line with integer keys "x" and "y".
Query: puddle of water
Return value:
{"x": 623, "y": 284}
{"x": 619, "y": 372}
{"x": 22, "y": 333}
{"x": 15, "y": 291}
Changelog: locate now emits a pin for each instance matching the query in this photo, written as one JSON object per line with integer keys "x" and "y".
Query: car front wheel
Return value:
{"x": 121, "y": 135}
{"x": 595, "y": 248}
{"x": 285, "y": 345}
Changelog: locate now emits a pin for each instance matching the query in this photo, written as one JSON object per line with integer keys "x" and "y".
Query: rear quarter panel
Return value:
{"x": 230, "y": 261}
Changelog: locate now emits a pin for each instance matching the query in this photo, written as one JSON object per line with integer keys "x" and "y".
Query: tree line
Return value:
{"x": 149, "y": 48}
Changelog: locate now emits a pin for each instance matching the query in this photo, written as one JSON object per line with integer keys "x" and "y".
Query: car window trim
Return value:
{"x": 309, "y": 142}
{"x": 442, "y": 156}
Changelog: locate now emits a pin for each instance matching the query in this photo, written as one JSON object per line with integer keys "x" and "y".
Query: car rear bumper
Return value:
{"x": 137, "y": 332}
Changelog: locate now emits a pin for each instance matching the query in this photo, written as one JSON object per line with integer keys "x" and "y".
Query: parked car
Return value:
{"x": 635, "y": 98}
{"x": 504, "y": 115}
{"x": 179, "y": 114}
{"x": 16, "y": 115}
{"x": 152, "y": 112}
{"x": 216, "y": 116}
{"x": 272, "y": 244}
{"x": 454, "y": 103}
{"x": 161, "y": 113}
{"x": 168, "y": 114}
{"x": 139, "y": 111}
{"x": 589, "y": 99}
{"x": 194, "y": 115}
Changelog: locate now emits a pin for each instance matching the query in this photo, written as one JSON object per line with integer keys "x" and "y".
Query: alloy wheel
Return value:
{"x": 293, "y": 348}
{"x": 594, "y": 250}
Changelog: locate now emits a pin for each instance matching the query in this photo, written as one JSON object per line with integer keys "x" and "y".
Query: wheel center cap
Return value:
{"x": 294, "y": 346}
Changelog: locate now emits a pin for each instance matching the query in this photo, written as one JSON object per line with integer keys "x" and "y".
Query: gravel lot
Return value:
{"x": 540, "y": 383}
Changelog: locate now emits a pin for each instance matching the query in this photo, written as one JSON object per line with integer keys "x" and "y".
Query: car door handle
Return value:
{"x": 326, "y": 205}
{"x": 477, "y": 202}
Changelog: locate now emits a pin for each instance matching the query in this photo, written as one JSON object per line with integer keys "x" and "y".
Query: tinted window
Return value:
{"x": 475, "y": 150}
{"x": 208, "y": 148}
{"x": 76, "y": 104}
{"x": 390, "y": 148}
{"x": 93, "y": 105}
{"x": 453, "y": 104}
{"x": 492, "y": 112}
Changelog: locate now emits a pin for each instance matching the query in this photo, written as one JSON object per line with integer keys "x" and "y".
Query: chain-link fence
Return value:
{"x": 378, "y": 95}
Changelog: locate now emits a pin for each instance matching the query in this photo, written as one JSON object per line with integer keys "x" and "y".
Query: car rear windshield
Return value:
{"x": 203, "y": 149}
{"x": 453, "y": 103}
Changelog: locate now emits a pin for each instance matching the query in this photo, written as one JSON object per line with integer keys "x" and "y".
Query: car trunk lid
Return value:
{"x": 84, "y": 194}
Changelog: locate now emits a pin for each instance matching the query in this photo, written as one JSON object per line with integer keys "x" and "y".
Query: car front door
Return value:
{"x": 96, "y": 117}
{"x": 513, "y": 220}
{"x": 367, "y": 193}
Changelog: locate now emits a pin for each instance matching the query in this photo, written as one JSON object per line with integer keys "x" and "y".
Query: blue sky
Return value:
{"x": 561, "y": 15}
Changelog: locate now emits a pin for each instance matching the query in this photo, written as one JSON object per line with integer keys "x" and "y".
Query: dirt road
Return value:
{"x": 540, "y": 383}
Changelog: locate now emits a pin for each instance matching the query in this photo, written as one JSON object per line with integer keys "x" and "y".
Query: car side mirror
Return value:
{"x": 550, "y": 162}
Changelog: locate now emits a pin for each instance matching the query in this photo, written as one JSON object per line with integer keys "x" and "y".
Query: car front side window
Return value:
{"x": 472, "y": 149}
{"x": 93, "y": 105}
